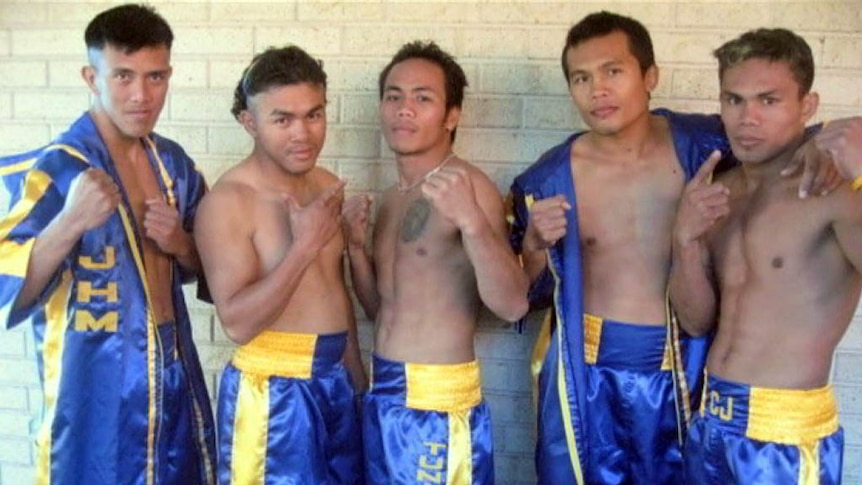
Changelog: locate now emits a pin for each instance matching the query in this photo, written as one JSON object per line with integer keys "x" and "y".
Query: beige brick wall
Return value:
{"x": 516, "y": 107}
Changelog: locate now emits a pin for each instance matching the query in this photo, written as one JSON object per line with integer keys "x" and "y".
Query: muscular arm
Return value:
{"x": 364, "y": 280}
{"x": 353, "y": 359}
{"x": 848, "y": 227}
{"x": 692, "y": 291}
{"x": 501, "y": 281}
{"x": 247, "y": 301}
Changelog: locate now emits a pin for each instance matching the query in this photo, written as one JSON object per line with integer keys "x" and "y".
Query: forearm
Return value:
{"x": 187, "y": 256}
{"x": 256, "y": 306}
{"x": 692, "y": 294}
{"x": 364, "y": 281}
{"x": 50, "y": 248}
{"x": 353, "y": 360}
{"x": 501, "y": 281}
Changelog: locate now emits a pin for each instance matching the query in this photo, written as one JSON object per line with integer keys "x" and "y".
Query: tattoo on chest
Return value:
{"x": 415, "y": 220}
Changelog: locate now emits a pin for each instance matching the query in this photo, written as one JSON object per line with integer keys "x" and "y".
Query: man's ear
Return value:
{"x": 453, "y": 117}
{"x": 88, "y": 74}
{"x": 248, "y": 122}
{"x": 810, "y": 102}
{"x": 651, "y": 78}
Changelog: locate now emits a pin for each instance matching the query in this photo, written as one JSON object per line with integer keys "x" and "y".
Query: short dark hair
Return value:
{"x": 129, "y": 28}
{"x": 774, "y": 45}
{"x": 603, "y": 23}
{"x": 276, "y": 66}
{"x": 454, "y": 76}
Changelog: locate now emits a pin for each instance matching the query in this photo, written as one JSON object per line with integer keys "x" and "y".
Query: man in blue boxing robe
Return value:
{"x": 592, "y": 221}
{"x": 95, "y": 249}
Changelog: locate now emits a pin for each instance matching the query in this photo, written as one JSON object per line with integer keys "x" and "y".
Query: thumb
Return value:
{"x": 704, "y": 173}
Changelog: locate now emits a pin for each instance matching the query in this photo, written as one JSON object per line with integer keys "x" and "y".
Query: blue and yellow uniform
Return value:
{"x": 572, "y": 444}
{"x": 426, "y": 424}
{"x": 287, "y": 413}
{"x": 755, "y": 435}
{"x": 124, "y": 398}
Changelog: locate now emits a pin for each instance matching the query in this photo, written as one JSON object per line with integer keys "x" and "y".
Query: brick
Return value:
{"x": 848, "y": 368}
{"x": 5, "y": 43}
{"x": 742, "y": 15}
{"x": 420, "y": 12}
{"x": 189, "y": 73}
{"x": 209, "y": 106}
{"x": 17, "y": 370}
{"x": 695, "y": 83}
{"x": 14, "y": 397}
{"x": 852, "y": 424}
{"x": 340, "y": 12}
{"x": 360, "y": 109}
{"x": 362, "y": 40}
{"x": 56, "y": 104}
{"x": 213, "y": 41}
{"x": 690, "y": 47}
{"x": 352, "y": 76}
{"x": 74, "y": 14}
{"x": 214, "y": 356}
{"x": 816, "y": 15}
{"x": 5, "y": 107}
{"x": 365, "y": 177}
{"x": 544, "y": 13}
{"x": 12, "y": 474}
{"x": 519, "y": 78}
{"x": 227, "y": 73}
{"x": 843, "y": 89}
{"x": 15, "y": 13}
{"x": 252, "y": 13}
{"x": 41, "y": 43}
{"x": 842, "y": 52}
{"x": 485, "y": 43}
{"x": 19, "y": 137}
{"x": 317, "y": 41}
{"x": 545, "y": 44}
{"x": 12, "y": 344}
{"x": 15, "y": 450}
{"x": 488, "y": 112}
{"x": 27, "y": 74}
{"x": 651, "y": 14}
{"x": 66, "y": 73}
{"x": 550, "y": 112}
{"x": 351, "y": 142}
{"x": 15, "y": 424}
{"x": 193, "y": 138}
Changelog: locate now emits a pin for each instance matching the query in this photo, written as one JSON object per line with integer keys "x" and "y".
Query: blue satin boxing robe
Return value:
{"x": 563, "y": 416}
{"x": 103, "y": 362}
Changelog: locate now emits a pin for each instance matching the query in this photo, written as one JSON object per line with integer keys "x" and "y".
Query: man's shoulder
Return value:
{"x": 548, "y": 163}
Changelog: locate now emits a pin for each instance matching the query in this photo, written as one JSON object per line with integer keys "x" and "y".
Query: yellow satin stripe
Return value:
{"x": 857, "y": 183}
{"x": 21, "y": 166}
{"x": 459, "y": 459}
{"x": 250, "y": 429}
{"x": 35, "y": 185}
{"x": 57, "y": 321}
{"x": 15, "y": 258}
{"x": 277, "y": 354}
{"x": 791, "y": 416}
{"x": 166, "y": 178}
{"x": 543, "y": 342}
{"x": 809, "y": 463}
{"x": 673, "y": 353}
{"x": 443, "y": 387}
{"x": 592, "y": 337}
{"x": 151, "y": 345}
{"x": 562, "y": 394}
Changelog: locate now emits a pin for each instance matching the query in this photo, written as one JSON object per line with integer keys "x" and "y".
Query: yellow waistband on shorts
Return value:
{"x": 277, "y": 354}
{"x": 791, "y": 416}
{"x": 445, "y": 388}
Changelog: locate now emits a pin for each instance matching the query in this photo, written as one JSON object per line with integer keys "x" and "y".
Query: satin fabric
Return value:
{"x": 114, "y": 411}
{"x": 562, "y": 408}
{"x": 286, "y": 413}
{"x": 633, "y": 429}
{"x": 445, "y": 439}
{"x": 801, "y": 441}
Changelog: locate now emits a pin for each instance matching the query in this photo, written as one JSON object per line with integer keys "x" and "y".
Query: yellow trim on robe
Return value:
{"x": 21, "y": 166}
{"x": 543, "y": 342}
{"x": 166, "y": 178}
{"x": 57, "y": 322}
{"x": 15, "y": 257}
{"x": 282, "y": 354}
{"x": 248, "y": 450}
{"x": 459, "y": 459}
{"x": 443, "y": 387}
{"x": 592, "y": 337}
{"x": 574, "y": 454}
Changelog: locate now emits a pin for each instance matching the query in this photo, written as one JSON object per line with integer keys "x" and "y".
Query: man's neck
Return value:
{"x": 415, "y": 166}
{"x": 767, "y": 172}
{"x": 123, "y": 149}
{"x": 629, "y": 144}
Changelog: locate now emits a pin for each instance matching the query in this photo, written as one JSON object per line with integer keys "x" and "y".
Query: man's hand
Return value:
{"x": 702, "y": 205}
{"x": 450, "y": 192}
{"x": 93, "y": 197}
{"x": 355, "y": 216}
{"x": 828, "y": 158}
{"x": 162, "y": 225}
{"x": 547, "y": 223}
{"x": 313, "y": 225}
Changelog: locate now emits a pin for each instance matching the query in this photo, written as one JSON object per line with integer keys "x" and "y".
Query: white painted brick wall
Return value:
{"x": 516, "y": 107}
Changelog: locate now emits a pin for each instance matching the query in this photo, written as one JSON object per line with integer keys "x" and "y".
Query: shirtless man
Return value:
{"x": 269, "y": 236}
{"x": 593, "y": 222}
{"x": 439, "y": 252}
{"x": 777, "y": 277}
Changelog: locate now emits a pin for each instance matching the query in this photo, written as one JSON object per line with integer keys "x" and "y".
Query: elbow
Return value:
{"x": 238, "y": 334}
{"x": 513, "y": 309}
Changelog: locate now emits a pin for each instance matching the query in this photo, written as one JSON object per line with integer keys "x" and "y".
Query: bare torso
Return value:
{"x": 787, "y": 290}
{"x": 625, "y": 213}
{"x": 320, "y": 303}
{"x": 139, "y": 183}
{"x": 429, "y": 303}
